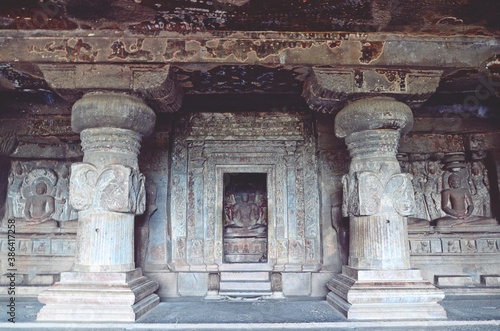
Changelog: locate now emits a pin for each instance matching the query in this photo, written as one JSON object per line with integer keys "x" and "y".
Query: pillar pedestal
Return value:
{"x": 108, "y": 191}
{"x": 378, "y": 283}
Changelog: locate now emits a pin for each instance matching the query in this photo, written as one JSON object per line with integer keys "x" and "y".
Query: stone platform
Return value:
{"x": 471, "y": 313}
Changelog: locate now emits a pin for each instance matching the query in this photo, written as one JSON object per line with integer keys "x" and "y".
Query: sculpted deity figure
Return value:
{"x": 432, "y": 192}
{"x": 245, "y": 212}
{"x": 244, "y": 216}
{"x": 458, "y": 204}
{"x": 456, "y": 201}
{"x": 418, "y": 182}
{"x": 480, "y": 190}
{"x": 15, "y": 201}
{"x": 39, "y": 207}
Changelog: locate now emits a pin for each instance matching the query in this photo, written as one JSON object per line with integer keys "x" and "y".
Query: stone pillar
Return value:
{"x": 378, "y": 283}
{"x": 108, "y": 190}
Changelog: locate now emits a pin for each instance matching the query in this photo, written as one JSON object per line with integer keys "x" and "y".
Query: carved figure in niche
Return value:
{"x": 245, "y": 217}
{"x": 245, "y": 213}
{"x": 480, "y": 191}
{"x": 39, "y": 203}
{"x": 15, "y": 201}
{"x": 40, "y": 207}
{"x": 432, "y": 191}
{"x": 419, "y": 184}
{"x": 457, "y": 203}
{"x": 490, "y": 246}
{"x": 64, "y": 211}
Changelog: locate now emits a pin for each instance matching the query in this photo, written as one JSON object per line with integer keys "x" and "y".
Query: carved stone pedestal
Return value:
{"x": 377, "y": 197}
{"x": 99, "y": 297}
{"x": 384, "y": 295}
{"x": 108, "y": 190}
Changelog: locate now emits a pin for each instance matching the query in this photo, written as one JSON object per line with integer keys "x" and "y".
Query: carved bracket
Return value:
{"x": 363, "y": 195}
{"x": 327, "y": 90}
{"x": 117, "y": 188}
{"x": 153, "y": 83}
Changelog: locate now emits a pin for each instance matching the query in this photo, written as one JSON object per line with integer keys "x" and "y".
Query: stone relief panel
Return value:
{"x": 450, "y": 190}
{"x": 38, "y": 200}
{"x": 38, "y": 195}
{"x": 279, "y": 145}
{"x": 453, "y": 233}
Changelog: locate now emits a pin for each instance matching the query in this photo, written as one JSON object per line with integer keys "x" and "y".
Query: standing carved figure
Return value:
{"x": 418, "y": 182}
{"x": 480, "y": 191}
{"x": 432, "y": 191}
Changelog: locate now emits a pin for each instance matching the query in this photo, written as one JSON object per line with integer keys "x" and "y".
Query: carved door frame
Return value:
{"x": 270, "y": 171}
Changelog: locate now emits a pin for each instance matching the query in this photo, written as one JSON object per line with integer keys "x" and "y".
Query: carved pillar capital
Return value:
{"x": 373, "y": 114}
{"x": 112, "y": 110}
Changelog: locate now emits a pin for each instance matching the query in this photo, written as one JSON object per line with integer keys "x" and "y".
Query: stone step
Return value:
{"x": 244, "y": 294}
{"x": 245, "y": 286}
{"x": 244, "y": 276}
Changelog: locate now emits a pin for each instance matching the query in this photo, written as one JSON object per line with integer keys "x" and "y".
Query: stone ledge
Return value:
{"x": 453, "y": 280}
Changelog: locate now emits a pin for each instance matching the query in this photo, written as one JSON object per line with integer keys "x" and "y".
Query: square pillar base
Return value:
{"x": 99, "y": 297}
{"x": 384, "y": 295}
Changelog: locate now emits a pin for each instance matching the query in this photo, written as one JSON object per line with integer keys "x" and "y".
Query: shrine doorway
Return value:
{"x": 245, "y": 218}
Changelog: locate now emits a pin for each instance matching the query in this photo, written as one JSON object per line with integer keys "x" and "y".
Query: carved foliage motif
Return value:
{"x": 117, "y": 188}
{"x": 363, "y": 195}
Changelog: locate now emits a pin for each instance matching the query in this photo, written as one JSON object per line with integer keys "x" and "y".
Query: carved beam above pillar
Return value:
{"x": 152, "y": 83}
{"x": 327, "y": 90}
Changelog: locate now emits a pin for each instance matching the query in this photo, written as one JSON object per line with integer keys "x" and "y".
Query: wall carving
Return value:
{"x": 38, "y": 200}
{"x": 453, "y": 233}
{"x": 38, "y": 194}
{"x": 450, "y": 191}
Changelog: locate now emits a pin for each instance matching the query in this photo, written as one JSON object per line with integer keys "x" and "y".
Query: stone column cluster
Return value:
{"x": 378, "y": 282}
{"x": 108, "y": 190}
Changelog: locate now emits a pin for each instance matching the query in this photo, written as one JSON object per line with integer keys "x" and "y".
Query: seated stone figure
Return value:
{"x": 40, "y": 207}
{"x": 244, "y": 219}
{"x": 457, "y": 203}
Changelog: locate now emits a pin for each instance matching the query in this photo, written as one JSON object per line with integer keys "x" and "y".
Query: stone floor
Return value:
{"x": 464, "y": 313}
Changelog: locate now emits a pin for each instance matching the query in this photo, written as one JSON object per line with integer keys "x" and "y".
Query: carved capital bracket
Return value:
{"x": 365, "y": 192}
{"x": 153, "y": 83}
{"x": 328, "y": 90}
{"x": 116, "y": 188}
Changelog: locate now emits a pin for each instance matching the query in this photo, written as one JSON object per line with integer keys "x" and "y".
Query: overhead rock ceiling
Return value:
{"x": 188, "y": 16}
{"x": 246, "y": 47}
